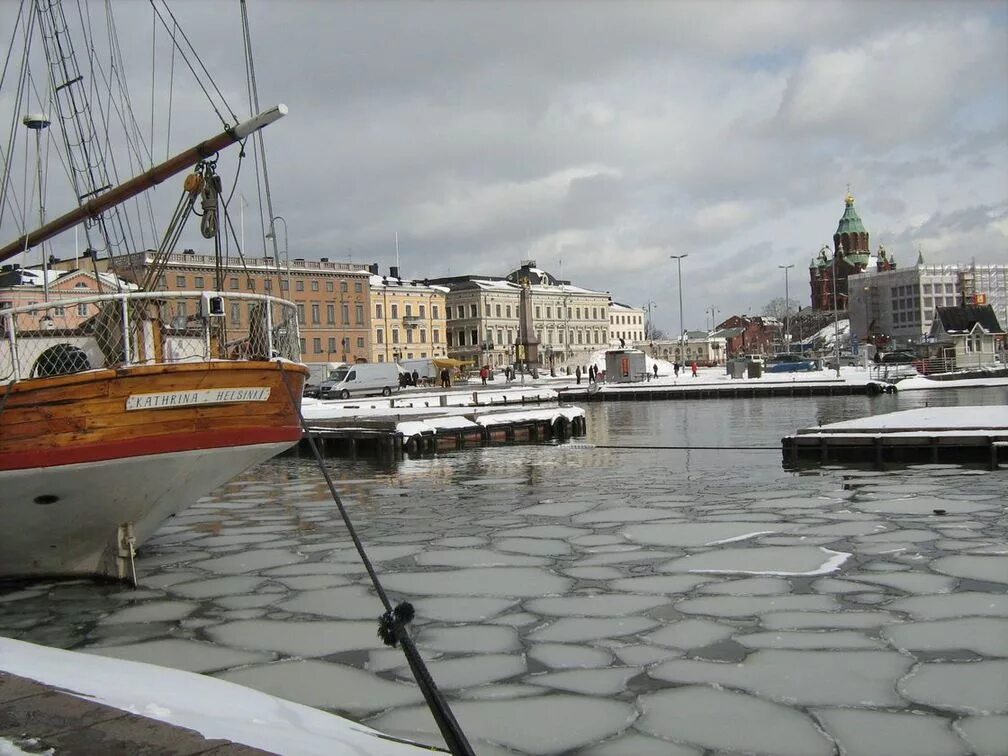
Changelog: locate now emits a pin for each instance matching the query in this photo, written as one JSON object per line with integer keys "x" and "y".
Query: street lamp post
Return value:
{"x": 836, "y": 321}
{"x": 787, "y": 307}
{"x": 649, "y": 330}
{"x": 678, "y": 259}
{"x": 37, "y": 122}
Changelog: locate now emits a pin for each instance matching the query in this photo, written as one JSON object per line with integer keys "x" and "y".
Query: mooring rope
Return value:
{"x": 392, "y": 624}
{"x": 651, "y": 447}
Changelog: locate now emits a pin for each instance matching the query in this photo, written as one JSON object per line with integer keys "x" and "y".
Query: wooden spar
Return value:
{"x": 119, "y": 194}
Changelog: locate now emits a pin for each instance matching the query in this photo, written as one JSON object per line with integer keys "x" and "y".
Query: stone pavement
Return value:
{"x": 38, "y": 717}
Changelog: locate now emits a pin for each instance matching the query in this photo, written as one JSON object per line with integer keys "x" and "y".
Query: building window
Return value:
{"x": 475, "y": 337}
{"x": 180, "y": 281}
{"x": 423, "y": 335}
{"x": 268, "y": 285}
{"x": 233, "y": 283}
{"x": 508, "y": 310}
{"x": 538, "y": 313}
{"x": 299, "y": 285}
{"x": 378, "y": 311}
{"x": 284, "y": 284}
{"x": 409, "y": 336}
{"x": 332, "y": 344}
{"x": 461, "y": 338}
{"x": 423, "y": 311}
{"x": 300, "y": 311}
{"x": 343, "y": 286}
{"x": 409, "y": 310}
{"x": 346, "y": 314}
{"x": 448, "y": 336}
{"x": 317, "y": 346}
{"x": 359, "y": 314}
{"x": 314, "y": 285}
{"x": 357, "y": 286}
{"x": 330, "y": 311}
{"x": 360, "y": 342}
{"x": 198, "y": 282}
{"x": 328, "y": 285}
{"x": 395, "y": 335}
{"x": 235, "y": 313}
{"x": 82, "y": 310}
{"x": 434, "y": 311}
{"x": 380, "y": 336}
{"x": 395, "y": 311}
{"x": 250, "y": 285}
{"x": 437, "y": 335}
{"x": 315, "y": 313}
{"x": 304, "y": 347}
{"x": 474, "y": 310}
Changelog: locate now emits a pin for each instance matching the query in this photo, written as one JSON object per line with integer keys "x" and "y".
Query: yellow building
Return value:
{"x": 407, "y": 318}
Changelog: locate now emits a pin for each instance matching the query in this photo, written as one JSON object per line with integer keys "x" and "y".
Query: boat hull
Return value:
{"x": 91, "y": 464}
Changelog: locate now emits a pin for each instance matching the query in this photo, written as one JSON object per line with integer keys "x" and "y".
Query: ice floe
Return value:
{"x": 768, "y": 560}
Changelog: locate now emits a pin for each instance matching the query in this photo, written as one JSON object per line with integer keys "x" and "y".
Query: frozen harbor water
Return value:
{"x": 573, "y": 599}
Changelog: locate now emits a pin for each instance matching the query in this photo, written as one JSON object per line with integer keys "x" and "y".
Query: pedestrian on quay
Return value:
{"x": 656, "y": 370}
{"x": 675, "y": 367}
{"x": 694, "y": 368}
{"x": 577, "y": 375}
{"x": 416, "y": 378}
{"x": 484, "y": 374}
{"x": 445, "y": 378}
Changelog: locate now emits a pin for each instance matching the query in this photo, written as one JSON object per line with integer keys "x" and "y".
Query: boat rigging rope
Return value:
{"x": 392, "y": 625}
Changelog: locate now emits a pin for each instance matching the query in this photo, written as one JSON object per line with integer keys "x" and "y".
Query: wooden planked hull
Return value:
{"x": 88, "y": 457}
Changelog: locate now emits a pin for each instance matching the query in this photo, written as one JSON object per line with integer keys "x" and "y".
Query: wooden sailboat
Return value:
{"x": 119, "y": 409}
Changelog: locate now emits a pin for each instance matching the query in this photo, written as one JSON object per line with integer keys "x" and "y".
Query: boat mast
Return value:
{"x": 94, "y": 207}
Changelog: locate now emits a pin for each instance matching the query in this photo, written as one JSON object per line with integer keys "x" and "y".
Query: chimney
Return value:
{"x": 324, "y": 259}
{"x": 373, "y": 269}
{"x": 394, "y": 271}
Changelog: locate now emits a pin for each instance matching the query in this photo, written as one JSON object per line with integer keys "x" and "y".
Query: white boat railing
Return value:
{"x": 72, "y": 335}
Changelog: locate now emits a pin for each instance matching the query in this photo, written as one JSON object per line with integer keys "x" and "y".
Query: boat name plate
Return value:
{"x": 173, "y": 399}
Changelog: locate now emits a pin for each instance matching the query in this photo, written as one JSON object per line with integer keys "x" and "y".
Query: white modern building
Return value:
{"x": 900, "y": 304}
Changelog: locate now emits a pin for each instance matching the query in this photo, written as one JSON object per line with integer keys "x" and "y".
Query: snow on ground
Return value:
{"x": 214, "y": 708}
{"x": 930, "y": 418}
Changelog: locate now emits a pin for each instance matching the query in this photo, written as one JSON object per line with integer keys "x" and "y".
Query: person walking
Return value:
{"x": 484, "y": 374}
{"x": 656, "y": 370}
{"x": 577, "y": 375}
{"x": 694, "y": 368}
{"x": 675, "y": 367}
{"x": 445, "y": 378}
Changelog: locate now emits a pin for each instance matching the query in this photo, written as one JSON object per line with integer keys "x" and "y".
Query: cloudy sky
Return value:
{"x": 598, "y": 138}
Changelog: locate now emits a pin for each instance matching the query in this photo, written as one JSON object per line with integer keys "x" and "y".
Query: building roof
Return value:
{"x": 850, "y": 221}
{"x": 965, "y": 319}
{"x": 728, "y": 333}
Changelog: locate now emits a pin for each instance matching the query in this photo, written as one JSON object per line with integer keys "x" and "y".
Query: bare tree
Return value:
{"x": 779, "y": 308}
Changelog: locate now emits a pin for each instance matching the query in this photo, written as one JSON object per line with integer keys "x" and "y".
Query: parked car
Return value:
{"x": 898, "y": 358}
{"x": 789, "y": 363}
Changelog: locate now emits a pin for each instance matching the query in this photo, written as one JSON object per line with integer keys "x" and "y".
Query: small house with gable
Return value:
{"x": 972, "y": 330}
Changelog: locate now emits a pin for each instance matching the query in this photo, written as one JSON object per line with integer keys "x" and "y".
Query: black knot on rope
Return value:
{"x": 403, "y": 614}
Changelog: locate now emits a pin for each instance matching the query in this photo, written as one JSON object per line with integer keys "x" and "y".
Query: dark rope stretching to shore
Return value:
{"x": 392, "y": 624}
{"x": 674, "y": 448}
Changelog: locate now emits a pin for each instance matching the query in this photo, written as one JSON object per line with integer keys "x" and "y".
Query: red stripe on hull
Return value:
{"x": 141, "y": 447}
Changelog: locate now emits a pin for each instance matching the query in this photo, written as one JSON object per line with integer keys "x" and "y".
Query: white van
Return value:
{"x": 364, "y": 379}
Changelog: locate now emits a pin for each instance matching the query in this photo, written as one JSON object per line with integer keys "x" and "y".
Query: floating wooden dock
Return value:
{"x": 642, "y": 392}
{"x": 979, "y": 438}
{"x": 384, "y": 438}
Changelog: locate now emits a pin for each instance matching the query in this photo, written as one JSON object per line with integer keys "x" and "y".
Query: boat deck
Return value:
{"x": 38, "y": 717}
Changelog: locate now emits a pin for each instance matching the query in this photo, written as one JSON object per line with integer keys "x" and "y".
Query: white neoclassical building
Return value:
{"x": 570, "y": 322}
{"x": 626, "y": 325}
